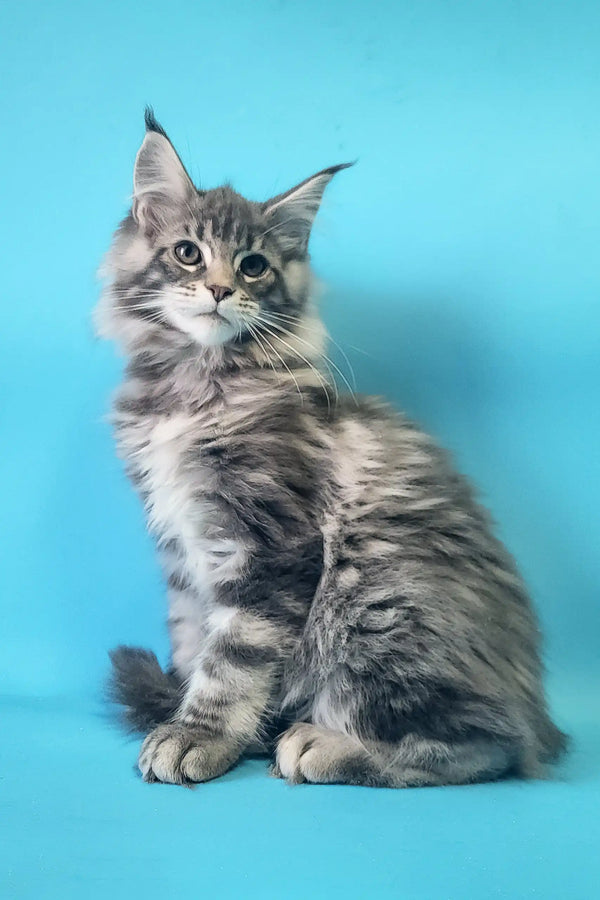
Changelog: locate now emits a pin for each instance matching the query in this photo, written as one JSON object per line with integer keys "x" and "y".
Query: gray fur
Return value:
{"x": 148, "y": 695}
{"x": 328, "y": 571}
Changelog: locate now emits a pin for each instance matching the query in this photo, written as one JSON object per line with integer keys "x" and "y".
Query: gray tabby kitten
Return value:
{"x": 335, "y": 592}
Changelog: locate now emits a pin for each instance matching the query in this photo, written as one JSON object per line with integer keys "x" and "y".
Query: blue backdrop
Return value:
{"x": 461, "y": 255}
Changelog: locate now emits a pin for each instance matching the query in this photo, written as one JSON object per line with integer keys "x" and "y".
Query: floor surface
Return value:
{"x": 76, "y": 821}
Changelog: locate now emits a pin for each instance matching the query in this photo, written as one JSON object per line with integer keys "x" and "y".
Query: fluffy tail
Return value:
{"x": 148, "y": 695}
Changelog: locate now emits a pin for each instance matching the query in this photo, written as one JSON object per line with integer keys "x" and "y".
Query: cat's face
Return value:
{"x": 208, "y": 266}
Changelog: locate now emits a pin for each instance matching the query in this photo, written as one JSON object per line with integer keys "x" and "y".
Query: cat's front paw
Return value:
{"x": 177, "y": 754}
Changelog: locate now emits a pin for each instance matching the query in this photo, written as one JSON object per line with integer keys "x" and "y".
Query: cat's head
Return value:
{"x": 206, "y": 268}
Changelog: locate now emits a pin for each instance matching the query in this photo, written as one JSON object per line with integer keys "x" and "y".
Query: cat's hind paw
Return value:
{"x": 309, "y": 753}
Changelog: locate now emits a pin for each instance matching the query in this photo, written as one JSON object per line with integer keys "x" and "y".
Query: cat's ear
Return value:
{"x": 161, "y": 185}
{"x": 293, "y": 212}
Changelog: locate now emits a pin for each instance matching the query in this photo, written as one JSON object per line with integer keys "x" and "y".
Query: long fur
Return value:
{"x": 326, "y": 565}
{"x": 147, "y": 694}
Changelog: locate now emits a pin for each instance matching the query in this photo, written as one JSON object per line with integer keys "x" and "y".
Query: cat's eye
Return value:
{"x": 254, "y": 266}
{"x": 188, "y": 253}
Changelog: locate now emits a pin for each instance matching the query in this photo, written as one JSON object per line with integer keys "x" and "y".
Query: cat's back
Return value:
{"x": 380, "y": 449}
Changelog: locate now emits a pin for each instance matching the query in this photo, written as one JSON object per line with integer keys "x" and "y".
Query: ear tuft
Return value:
{"x": 151, "y": 123}
{"x": 294, "y": 211}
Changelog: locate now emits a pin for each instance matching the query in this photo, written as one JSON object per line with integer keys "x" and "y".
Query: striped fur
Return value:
{"x": 331, "y": 578}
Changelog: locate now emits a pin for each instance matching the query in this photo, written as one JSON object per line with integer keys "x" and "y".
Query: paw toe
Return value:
{"x": 177, "y": 754}
{"x": 310, "y": 753}
{"x": 290, "y": 750}
{"x": 161, "y": 754}
{"x": 193, "y": 765}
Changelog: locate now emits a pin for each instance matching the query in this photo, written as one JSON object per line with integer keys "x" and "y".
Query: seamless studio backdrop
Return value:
{"x": 460, "y": 258}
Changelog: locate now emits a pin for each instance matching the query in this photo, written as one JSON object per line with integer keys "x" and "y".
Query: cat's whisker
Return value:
{"x": 261, "y": 345}
{"x": 136, "y": 303}
{"x": 135, "y": 306}
{"x": 283, "y": 362}
{"x": 299, "y": 324}
{"x": 318, "y": 352}
{"x": 296, "y": 352}
{"x": 324, "y": 357}
{"x": 133, "y": 292}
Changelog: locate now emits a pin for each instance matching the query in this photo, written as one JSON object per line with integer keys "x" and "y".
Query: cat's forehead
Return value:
{"x": 227, "y": 217}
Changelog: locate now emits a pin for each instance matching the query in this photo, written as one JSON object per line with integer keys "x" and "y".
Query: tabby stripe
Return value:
{"x": 247, "y": 655}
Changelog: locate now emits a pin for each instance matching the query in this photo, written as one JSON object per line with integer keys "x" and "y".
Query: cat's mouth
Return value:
{"x": 207, "y": 327}
{"x": 212, "y": 314}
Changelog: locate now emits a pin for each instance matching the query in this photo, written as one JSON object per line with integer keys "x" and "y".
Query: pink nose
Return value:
{"x": 219, "y": 291}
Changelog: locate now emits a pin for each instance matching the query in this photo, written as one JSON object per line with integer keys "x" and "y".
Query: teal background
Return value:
{"x": 462, "y": 263}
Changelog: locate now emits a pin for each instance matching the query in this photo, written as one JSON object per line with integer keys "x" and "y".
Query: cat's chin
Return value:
{"x": 209, "y": 330}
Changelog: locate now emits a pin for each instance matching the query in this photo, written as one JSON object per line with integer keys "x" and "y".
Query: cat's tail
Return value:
{"x": 147, "y": 694}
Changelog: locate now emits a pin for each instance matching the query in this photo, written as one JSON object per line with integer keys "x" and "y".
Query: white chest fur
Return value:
{"x": 166, "y": 452}
{"x": 172, "y": 512}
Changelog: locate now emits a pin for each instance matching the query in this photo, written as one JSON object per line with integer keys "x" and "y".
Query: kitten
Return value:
{"x": 335, "y": 592}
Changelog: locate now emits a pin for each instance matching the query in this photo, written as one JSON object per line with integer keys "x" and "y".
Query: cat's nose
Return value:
{"x": 219, "y": 291}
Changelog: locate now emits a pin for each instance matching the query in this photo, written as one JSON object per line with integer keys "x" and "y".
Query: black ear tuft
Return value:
{"x": 332, "y": 170}
{"x": 151, "y": 123}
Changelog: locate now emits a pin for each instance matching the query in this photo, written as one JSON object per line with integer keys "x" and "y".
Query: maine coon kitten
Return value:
{"x": 335, "y": 592}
